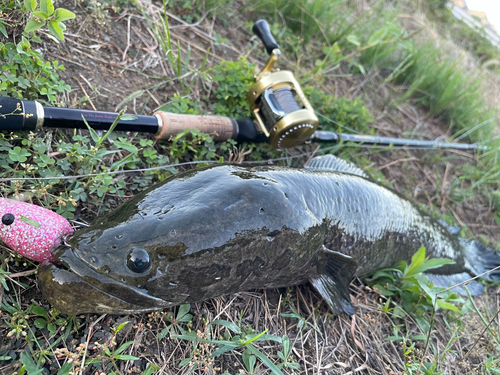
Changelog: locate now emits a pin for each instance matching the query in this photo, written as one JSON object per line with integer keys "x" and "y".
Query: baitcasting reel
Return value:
{"x": 286, "y": 121}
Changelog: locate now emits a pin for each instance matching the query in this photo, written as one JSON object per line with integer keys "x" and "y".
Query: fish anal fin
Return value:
{"x": 335, "y": 272}
{"x": 446, "y": 281}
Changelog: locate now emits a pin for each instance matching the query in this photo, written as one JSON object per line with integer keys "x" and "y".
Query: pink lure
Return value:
{"x": 30, "y": 230}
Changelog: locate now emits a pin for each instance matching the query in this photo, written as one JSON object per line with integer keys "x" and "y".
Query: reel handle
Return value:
{"x": 263, "y": 32}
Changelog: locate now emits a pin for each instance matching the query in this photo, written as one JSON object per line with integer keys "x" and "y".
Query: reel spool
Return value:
{"x": 280, "y": 107}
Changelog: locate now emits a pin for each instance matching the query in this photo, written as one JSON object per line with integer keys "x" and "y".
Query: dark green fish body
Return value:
{"x": 224, "y": 229}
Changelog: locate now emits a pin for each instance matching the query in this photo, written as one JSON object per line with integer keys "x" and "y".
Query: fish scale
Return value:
{"x": 206, "y": 232}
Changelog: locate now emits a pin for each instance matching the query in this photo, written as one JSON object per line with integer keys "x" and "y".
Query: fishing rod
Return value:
{"x": 283, "y": 115}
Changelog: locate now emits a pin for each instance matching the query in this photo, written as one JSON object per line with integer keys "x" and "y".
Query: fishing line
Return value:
{"x": 357, "y": 145}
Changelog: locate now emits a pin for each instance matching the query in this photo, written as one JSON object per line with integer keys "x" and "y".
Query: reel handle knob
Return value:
{"x": 263, "y": 32}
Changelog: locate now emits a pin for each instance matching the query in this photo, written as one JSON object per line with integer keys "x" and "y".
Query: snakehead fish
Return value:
{"x": 230, "y": 228}
{"x": 31, "y": 230}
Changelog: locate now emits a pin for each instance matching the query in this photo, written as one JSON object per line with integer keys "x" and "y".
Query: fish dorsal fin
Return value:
{"x": 335, "y": 272}
{"x": 454, "y": 231}
{"x": 335, "y": 164}
{"x": 445, "y": 281}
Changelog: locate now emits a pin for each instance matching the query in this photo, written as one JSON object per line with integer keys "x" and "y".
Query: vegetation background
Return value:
{"x": 402, "y": 69}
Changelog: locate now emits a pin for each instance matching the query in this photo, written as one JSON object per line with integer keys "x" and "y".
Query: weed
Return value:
{"x": 232, "y": 81}
{"x": 418, "y": 295}
{"x": 25, "y": 75}
{"x": 328, "y": 21}
{"x": 205, "y": 347}
{"x": 47, "y": 15}
{"x": 178, "y": 64}
{"x": 339, "y": 114}
{"x": 302, "y": 322}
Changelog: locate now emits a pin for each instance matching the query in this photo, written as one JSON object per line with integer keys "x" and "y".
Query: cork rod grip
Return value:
{"x": 221, "y": 128}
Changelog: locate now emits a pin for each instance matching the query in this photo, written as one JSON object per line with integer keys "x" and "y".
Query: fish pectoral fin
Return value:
{"x": 445, "y": 281}
{"x": 334, "y": 164}
{"x": 335, "y": 272}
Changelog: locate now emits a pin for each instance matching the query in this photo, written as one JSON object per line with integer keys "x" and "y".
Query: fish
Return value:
{"x": 30, "y": 230}
{"x": 222, "y": 229}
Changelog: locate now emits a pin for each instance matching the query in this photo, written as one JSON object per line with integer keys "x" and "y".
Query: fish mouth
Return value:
{"x": 74, "y": 288}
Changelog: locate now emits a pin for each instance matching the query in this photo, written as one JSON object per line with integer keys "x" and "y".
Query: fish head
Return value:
{"x": 30, "y": 230}
{"x": 170, "y": 244}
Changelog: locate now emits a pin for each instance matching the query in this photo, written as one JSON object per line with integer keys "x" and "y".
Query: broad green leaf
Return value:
{"x": 401, "y": 265}
{"x": 423, "y": 323}
{"x": 62, "y": 14}
{"x": 398, "y": 312}
{"x": 163, "y": 333}
{"x": 33, "y": 25}
{"x": 128, "y": 118}
{"x": 183, "y": 310}
{"x": 377, "y": 36}
{"x": 249, "y": 360}
{"x": 387, "y": 305}
{"x": 30, "y": 364}
{"x": 222, "y": 350}
{"x": 419, "y": 337}
{"x": 65, "y": 369}
{"x": 55, "y": 29}
{"x": 29, "y": 221}
{"x": 382, "y": 290}
{"x": 192, "y": 337}
{"x": 286, "y": 345}
{"x": 265, "y": 360}
{"x": 42, "y": 15}
{"x": 30, "y": 5}
{"x": 3, "y": 30}
{"x": 40, "y": 323}
{"x": 434, "y": 263}
{"x": 120, "y": 327}
{"x": 229, "y": 325}
{"x": 387, "y": 272}
{"x": 185, "y": 361}
{"x": 430, "y": 292}
{"x": 416, "y": 261}
{"x": 353, "y": 39}
{"x": 40, "y": 311}
{"x": 149, "y": 370}
{"x": 47, "y": 7}
{"x": 447, "y": 306}
{"x": 126, "y": 357}
{"x": 93, "y": 133}
{"x": 124, "y": 346}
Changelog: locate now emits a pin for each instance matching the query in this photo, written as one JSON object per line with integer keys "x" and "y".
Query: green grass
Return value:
{"x": 441, "y": 84}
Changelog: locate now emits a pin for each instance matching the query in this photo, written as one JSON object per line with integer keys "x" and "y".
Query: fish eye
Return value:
{"x": 8, "y": 219}
{"x": 138, "y": 260}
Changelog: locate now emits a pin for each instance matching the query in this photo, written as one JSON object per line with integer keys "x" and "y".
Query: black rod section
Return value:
{"x": 65, "y": 118}
{"x": 28, "y": 115}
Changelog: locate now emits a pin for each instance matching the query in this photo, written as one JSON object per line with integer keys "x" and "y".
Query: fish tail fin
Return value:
{"x": 480, "y": 259}
{"x": 446, "y": 281}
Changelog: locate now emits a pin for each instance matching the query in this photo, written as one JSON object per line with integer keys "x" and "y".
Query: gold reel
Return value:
{"x": 282, "y": 111}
